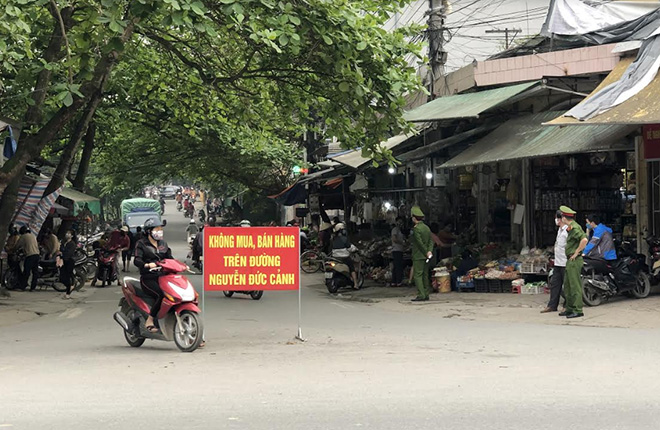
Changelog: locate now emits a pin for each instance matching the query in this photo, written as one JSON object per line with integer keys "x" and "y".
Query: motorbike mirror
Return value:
{"x": 164, "y": 222}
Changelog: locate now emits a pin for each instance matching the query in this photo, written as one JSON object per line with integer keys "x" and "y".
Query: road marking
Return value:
{"x": 71, "y": 313}
{"x": 6, "y": 425}
{"x": 341, "y": 305}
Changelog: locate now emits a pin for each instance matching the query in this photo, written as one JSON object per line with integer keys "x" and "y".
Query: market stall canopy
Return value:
{"x": 470, "y": 105}
{"x": 58, "y": 209}
{"x": 354, "y": 158}
{"x": 642, "y": 108}
{"x": 293, "y": 195}
{"x": 527, "y": 137}
{"x": 80, "y": 200}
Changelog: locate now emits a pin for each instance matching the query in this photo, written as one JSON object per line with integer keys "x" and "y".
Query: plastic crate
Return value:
{"x": 494, "y": 286}
{"x": 534, "y": 267}
{"x": 480, "y": 285}
{"x": 505, "y": 286}
{"x": 465, "y": 286}
{"x": 531, "y": 289}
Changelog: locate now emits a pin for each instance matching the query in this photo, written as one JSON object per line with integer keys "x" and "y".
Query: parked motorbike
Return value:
{"x": 179, "y": 319}
{"x": 49, "y": 275}
{"x": 256, "y": 295}
{"x": 106, "y": 272}
{"x": 627, "y": 276}
{"x": 654, "y": 251}
{"x": 338, "y": 275}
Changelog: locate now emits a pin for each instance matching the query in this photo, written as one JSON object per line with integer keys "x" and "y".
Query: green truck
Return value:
{"x": 134, "y": 212}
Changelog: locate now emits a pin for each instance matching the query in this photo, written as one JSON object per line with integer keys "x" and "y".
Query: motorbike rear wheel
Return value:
{"x": 360, "y": 280}
{"x": 590, "y": 295}
{"x": 133, "y": 340}
{"x": 256, "y": 295}
{"x": 80, "y": 280}
{"x": 228, "y": 293}
{"x": 643, "y": 286}
{"x": 59, "y": 287}
{"x": 188, "y": 337}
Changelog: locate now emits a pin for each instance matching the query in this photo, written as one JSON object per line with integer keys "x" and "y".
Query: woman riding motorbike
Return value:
{"x": 342, "y": 250}
{"x": 149, "y": 250}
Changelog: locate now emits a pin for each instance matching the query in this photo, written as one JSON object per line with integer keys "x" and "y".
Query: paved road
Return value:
{"x": 362, "y": 367}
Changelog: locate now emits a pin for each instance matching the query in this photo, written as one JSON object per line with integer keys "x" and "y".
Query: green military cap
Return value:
{"x": 566, "y": 211}
{"x": 417, "y": 212}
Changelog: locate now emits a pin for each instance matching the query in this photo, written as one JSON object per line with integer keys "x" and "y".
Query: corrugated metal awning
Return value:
{"x": 469, "y": 105}
{"x": 527, "y": 137}
{"x": 316, "y": 175}
{"x": 642, "y": 108}
{"x": 355, "y": 159}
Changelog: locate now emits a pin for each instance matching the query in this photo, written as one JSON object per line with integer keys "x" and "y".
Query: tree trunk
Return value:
{"x": 32, "y": 144}
{"x": 83, "y": 168}
{"x": 53, "y": 52}
{"x": 8, "y": 206}
{"x": 74, "y": 143}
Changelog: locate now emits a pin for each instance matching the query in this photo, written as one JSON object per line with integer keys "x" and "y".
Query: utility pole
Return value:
{"x": 506, "y": 32}
{"x": 437, "y": 55}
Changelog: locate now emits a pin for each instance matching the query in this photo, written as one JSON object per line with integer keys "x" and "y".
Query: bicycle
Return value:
{"x": 312, "y": 260}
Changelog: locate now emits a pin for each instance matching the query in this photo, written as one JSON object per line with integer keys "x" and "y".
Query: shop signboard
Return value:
{"x": 248, "y": 259}
{"x": 651, "y": 136}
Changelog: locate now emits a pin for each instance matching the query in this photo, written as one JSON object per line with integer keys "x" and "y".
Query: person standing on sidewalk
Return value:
{"x": 28, "y": 243}
{"x": 68, "y": 252}
{"x": 398, "y": 243}
{"x": 576, "y": 241}
{"x": 422, "y": 251}
{"x": 559, "y": 271}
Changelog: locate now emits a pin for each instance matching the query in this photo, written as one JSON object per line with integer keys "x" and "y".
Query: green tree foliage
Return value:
{"x": 221, "y": 90}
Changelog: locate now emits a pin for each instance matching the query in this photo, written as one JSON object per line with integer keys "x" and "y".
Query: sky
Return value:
{"x": 468, "y": 21}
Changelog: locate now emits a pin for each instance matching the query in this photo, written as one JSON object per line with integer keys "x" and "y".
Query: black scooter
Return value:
{"x": 256, "y": 295}
{"x": 627, "y": 276}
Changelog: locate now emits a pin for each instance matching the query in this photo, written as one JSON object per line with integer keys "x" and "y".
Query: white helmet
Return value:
{"x": 192, "y": 221}
{"x": 245, "y": 223}
{"x": 339, "y": 227}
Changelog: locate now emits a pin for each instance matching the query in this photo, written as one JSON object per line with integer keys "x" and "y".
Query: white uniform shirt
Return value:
{"x": 560, "y": 246}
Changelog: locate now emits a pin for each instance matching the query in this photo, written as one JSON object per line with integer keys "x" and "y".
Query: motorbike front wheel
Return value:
{"x": 310, "y": 261}
{"x": 188, "y": 334}
{"x": 256, "y": 295}
{"x": 643, "y": 287}
{"x": 11, "y": 279}
{"x": 332, "y": 286}
{"x": 590, "y": 295}
{"x": 228, "y": 293}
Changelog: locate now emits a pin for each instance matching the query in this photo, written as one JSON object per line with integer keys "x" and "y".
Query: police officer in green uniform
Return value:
{"x": 422, "y": 251}
{"x": 575, "y": 244}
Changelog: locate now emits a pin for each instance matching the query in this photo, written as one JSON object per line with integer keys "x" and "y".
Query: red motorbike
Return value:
{"x": 179, "y": 318}
{"x": 106, "y": 261}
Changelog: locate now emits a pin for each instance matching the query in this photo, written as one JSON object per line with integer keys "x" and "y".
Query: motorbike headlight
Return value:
{"x": 187, "y": 294}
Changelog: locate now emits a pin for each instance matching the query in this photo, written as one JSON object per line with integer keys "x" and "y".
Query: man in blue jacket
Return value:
{"x": 601, "y": 245}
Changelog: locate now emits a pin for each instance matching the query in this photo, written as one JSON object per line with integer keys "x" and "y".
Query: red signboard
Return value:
{"x": 651, "y": 136}
{"x": 251, "y": 258}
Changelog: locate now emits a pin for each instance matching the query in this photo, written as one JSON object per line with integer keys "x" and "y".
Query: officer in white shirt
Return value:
{"x": 557, "y": 280}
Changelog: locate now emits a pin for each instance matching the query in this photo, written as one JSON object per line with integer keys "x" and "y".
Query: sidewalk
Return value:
{"x": 619, "y": 312}
{"x": 24, "y": 306}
